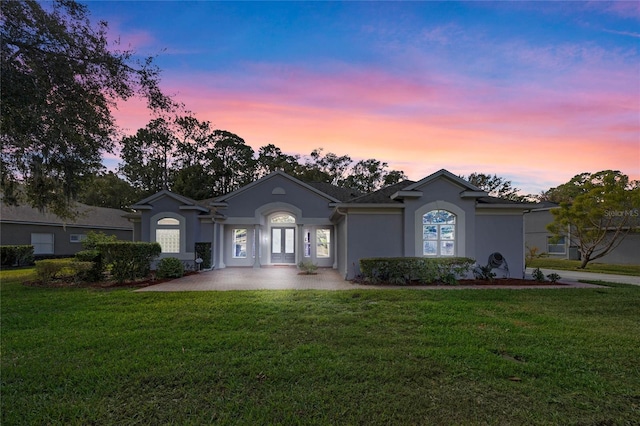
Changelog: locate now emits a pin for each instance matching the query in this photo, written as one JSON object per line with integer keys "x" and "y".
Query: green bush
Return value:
{"x": 307, "y": 267}
{"x": 48, "y": 270}
{"x": 407, "y": 270}
{"x": 96, "y": 272}
{"x": 203, "y": 251}
{"x": 129, "y": 260}
{"x": 170, "y": 267}
{"x": 16, "y": 255}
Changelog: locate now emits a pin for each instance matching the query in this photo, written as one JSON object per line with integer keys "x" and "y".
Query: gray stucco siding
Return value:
{"x": 20, "y": 234}
{"x": 372, "y": 234}
{"x": 503, "y": 233}
{"x": 274, "y": 191}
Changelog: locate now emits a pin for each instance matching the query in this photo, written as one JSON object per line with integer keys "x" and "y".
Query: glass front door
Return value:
{"x": 283, "y": 243}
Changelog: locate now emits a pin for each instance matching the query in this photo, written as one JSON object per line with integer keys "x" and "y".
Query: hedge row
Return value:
{"x": 17, "y": 255}
{"x": 414, "y": 270}
{"x": 50, "y": 269}
{"x": 128, "y": 260}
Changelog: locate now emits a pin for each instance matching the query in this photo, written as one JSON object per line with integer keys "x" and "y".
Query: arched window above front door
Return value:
{"x": 283, "y": 218}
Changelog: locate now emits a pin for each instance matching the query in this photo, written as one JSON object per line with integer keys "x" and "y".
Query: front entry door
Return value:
{"x": 283, "y": 243}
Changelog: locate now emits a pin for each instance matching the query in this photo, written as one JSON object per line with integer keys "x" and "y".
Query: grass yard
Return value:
{"x": 517, "y": 357}
{"x": 572, "y": 265}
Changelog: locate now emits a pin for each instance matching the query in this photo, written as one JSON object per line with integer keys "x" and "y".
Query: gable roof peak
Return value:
{"x": 468, "y": 186}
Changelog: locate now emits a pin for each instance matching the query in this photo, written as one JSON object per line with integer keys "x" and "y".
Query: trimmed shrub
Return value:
{"x": 49, "y": 269}
{"x": 170, "y": 267}
{"x": 307, "y": 267}
{"x": 96, "y": 272}
{"x": 408, "y": 270}
{"x": 203, "y": 251}
{"x": 129, "y": 260}
{"x": 16, "y": 255}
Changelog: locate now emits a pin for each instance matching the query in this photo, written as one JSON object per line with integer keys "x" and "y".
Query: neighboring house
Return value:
{"x": 52, "y": 236}
{"x": 279, "y": 220}
{"x": 537, "y": 235}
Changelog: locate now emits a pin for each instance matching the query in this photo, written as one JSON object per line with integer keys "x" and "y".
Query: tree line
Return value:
{"x": 188, "y": 156}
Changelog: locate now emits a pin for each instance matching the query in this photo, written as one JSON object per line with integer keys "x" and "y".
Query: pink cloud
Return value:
{"x": 543, "y": 132}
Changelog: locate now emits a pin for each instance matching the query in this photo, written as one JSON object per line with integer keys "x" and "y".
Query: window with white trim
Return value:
{"x": 439, "y": 233}
{"x": 556, "y": 245}
{"x": 42, "y": 243}
{"x": 77, "y": 238}
{"x": 240, "y": 243}
{"x": 323, "y": 243}
{"x": 168, "y": 234}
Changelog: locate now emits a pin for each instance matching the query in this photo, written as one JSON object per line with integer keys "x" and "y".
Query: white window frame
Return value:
{"x": 237, "y": 242}
{"x": 319, "y": 243}
{"x": 38, "y": 246}
{"x": 169, "y": 221}
{"x": 561, "y": 242}
{"x": 439, "y": 240}
{"x": 77, "y": 238}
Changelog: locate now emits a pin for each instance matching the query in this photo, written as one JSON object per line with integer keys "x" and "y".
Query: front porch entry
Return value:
{"x": 283, "y": 245}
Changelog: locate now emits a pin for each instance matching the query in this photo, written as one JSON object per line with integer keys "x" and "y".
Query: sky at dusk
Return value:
{"x": 535, "y": 92}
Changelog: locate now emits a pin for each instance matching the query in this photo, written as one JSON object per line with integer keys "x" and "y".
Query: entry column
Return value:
{"x": 256, "y": 246}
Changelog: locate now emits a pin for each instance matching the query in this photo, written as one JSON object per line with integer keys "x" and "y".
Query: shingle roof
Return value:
{"x": 383, "y": 195}
{"x": 342, "y": 194}
{"x": 89, "y": 216}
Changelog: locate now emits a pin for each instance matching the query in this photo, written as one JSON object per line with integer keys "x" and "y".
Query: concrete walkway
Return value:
{"x": 575, "y": 276}
{"x": 288, "y": 278}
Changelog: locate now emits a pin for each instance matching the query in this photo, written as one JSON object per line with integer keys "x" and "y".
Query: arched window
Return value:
{"x": 168, "y": 234}
{"x": 283, "y": 218}
{"x": 439, "y": 233}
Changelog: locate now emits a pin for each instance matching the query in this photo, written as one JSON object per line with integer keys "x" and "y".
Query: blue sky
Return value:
{"x": 533, "y": 91}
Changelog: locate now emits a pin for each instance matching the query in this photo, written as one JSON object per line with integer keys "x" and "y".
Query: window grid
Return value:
{"x": 438, "y": 233}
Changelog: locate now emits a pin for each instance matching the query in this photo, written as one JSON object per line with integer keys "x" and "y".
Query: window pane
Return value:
{"x": 447, "y": 248}
{"x": 169, "y": 240}
{"x": 240, "y": 243}
{"x": 168, "y": 221}
{"x": 307, "y": 243}
{"x": 323, "y": 242}
{"x": 289, "y": 240}
{"x": 447, "y": 232}
{"x": 283, "y": 218}
{"x": 430, "y": 248}
{"x": 276, "y": 240}
{"x": 429, "y": 232}
{"x": 42, "y": 243}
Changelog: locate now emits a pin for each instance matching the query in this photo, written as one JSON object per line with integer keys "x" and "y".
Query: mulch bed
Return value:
{"x": 62, "y": 283}
{"x": 498, "y": 282}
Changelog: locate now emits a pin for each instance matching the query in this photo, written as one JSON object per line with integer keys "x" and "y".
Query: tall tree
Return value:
{"x": 148, "y": 157}
{"x": 108, "y": 190}
{"x": 599, "y": 210}
{"x": 59, "y": 79}
{"x": 495, "y": 185}
{"x": 332, "y": 167}
{"x": 371, "y": 175}
{"x": 271, "y": 158}
{"x": 232, "y": 162}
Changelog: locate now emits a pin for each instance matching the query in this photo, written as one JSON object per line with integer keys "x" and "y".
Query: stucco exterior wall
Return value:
{"x": 501, "y": 232}
{"x": 20, "y": 234}
{"x": 373, "y": 234}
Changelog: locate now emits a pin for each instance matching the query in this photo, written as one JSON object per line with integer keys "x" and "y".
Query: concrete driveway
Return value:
{"x": 288, "y": 278}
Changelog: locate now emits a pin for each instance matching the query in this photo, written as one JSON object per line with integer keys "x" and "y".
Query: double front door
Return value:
{"x": 283, "y": 243}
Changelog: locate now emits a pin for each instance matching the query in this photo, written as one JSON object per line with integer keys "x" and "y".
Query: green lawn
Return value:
{"x": 572, "y": 265}
{"x": 517, "y": 357}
